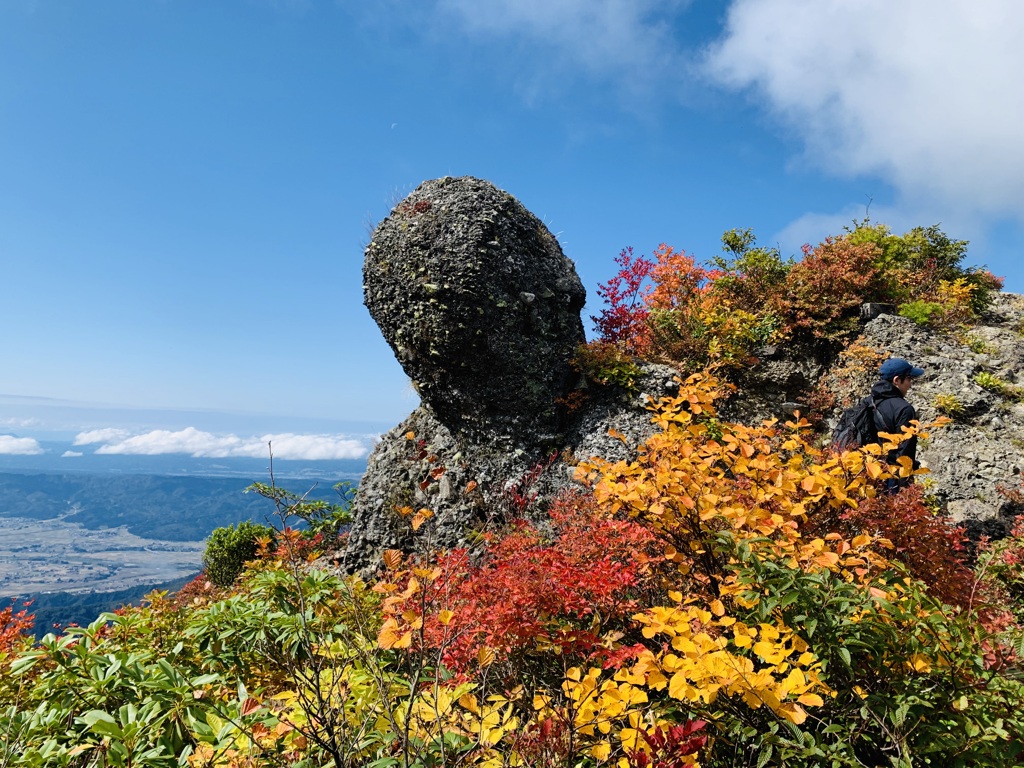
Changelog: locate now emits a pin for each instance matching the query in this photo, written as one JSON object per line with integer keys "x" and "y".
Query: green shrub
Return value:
{"x": 993, "y": 383}
{"x": 228, "y": 549}
{"x": 605, "y": 363}
{"x": 978, "y": 345}
{"x": 922, "y": 312}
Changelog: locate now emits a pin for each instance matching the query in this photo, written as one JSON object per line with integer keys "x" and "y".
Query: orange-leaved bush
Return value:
{"x": 14, "y": 626}
{"x": 826, "y": 288}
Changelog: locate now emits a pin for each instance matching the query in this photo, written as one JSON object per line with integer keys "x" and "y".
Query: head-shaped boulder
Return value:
{"x": 480, "y": 306}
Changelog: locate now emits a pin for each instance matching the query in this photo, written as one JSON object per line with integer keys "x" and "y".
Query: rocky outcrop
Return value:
{"x": 982, "y": 448}
{"x": 480, "y": 306}
{"x": 482, "y": 310}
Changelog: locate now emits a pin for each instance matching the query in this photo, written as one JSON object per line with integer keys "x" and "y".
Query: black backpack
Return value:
{"x": 859, "y": 425}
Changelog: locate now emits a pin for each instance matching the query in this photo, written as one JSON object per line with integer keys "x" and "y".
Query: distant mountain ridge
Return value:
{"x": 165, "y": 507}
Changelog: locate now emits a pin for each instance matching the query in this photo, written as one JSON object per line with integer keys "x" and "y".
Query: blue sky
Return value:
{"x": 186, "y": 186}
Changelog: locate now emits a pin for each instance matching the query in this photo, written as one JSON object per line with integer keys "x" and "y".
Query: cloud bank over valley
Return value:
{"x": 200, "y": 444}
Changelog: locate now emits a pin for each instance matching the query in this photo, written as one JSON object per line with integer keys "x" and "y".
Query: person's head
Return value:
{"x": 900, "y": 373}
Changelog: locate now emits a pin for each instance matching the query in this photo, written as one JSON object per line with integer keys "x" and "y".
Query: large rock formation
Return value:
{"x": 482, "y": 310}
{"x": 480, "y": 306}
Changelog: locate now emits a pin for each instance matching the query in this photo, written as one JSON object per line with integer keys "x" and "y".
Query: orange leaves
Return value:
{"x": 391, "y": 636}
{"x": 392, "y": 558}
{"x": 700, "y": 475}
{"x": 14, "y": 626}
{"x": 417, "y": 518}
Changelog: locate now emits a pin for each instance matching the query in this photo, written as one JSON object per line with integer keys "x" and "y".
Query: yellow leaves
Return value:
{"x": 918, "y": 662}
{"x": 601, "y": 751}
{"x": 445, "y": 617}
{"x": 811, "y": 700}
{"x": 392, "y": 558}
{"x": 906, "y": 466}
{"x": 764, "y": 665}
{"x": 769, "y": 652}
{"x": 861, "y": 541}
{"x": 874, "y": 469}
{"x": 792, "y": 712}
{"x": 597, "y": 705}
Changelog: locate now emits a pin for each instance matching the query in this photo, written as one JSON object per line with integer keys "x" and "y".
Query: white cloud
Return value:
{"x": 100, "y": 436}
{"x": 814, "y": 227}
{"x": 204, "y": 444}
{"x": 12, "y": 422}
{"x": 19, "y": 446}
{"x": 922, "y": 92}
{"x": 70, "y": 454}
{"x": 629, "y": 39}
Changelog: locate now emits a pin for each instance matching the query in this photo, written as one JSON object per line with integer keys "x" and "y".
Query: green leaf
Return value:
{"x": 101, "y": 723}
{"x": 900, "y": 715}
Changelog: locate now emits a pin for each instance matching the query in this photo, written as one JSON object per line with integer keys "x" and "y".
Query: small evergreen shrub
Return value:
{"x": 606, "y": 363}
{"x": 228, "y": 549}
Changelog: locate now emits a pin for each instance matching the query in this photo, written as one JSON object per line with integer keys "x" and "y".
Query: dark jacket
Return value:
{"x": 895, "y": 412}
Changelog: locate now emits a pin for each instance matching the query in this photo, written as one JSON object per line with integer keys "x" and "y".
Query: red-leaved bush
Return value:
{"x": 14, "y": 626}
{"x": 826, "y": 288}
{"x": 670, "y": 747}
{"x": 623, "y": 321}
{"x": 932, "y": 548}
{"x": 561, "y": 588}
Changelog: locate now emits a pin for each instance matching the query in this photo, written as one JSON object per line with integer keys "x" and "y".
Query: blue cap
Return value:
{"x": 897, "y": 366}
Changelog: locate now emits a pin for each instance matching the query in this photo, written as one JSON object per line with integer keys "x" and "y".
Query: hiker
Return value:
{"x": 896, "y": 375}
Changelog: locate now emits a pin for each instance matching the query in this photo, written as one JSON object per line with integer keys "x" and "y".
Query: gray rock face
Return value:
{"x": 982, "y": 448}
{"x": 480, "y": 306}
{"x": 471, "y": 486}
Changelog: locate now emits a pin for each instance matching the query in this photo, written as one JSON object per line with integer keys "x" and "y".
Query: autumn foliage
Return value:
{"x": 732, "y": 595}
{"x": 672, "y": 307}
{"x": 14, "y": 626}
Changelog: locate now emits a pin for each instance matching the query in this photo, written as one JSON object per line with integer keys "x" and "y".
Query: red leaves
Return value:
{"x": 531, "y": 589}
{"x": 929, "y": 546}
{"x": 673, "y": 747}
{"x": 14, "y": 626}
{"x": 829, "y": 285}
{"x": 624, "y": 319}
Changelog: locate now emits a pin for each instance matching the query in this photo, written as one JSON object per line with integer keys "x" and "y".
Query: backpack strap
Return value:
{"x": 880, "y": 425}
